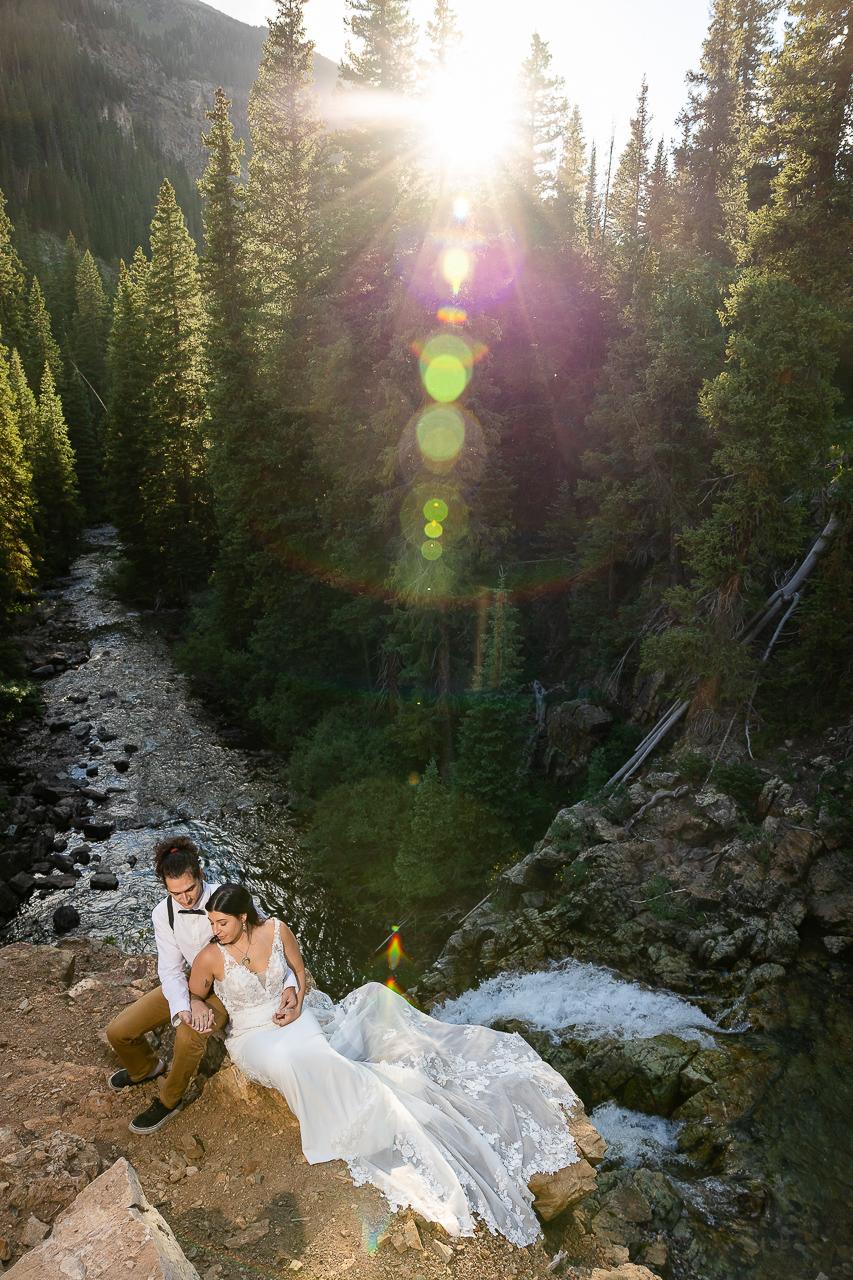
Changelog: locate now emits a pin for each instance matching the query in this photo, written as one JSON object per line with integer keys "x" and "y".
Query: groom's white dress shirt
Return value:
{"x": 178, "y": 947}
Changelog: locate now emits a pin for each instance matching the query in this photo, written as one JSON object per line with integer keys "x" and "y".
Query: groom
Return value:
{"x": 181, "y": 929}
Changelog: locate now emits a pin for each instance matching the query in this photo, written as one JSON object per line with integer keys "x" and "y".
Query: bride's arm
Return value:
{"x": 291, "y": 1001}
{"x": 201, "y": 982}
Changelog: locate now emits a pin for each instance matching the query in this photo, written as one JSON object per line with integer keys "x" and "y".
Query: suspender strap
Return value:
{"x": 171, "y": 910}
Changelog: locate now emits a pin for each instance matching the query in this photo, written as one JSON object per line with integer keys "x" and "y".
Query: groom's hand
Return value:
{"x": 199, "y": 1016}
{"x": 288, "y": 1010}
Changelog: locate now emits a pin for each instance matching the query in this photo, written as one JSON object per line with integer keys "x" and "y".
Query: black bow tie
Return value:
{"x": 191, "y": 911}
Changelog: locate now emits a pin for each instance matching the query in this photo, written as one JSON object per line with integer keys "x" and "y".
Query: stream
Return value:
{"x": 175, "y": 774}
{"x": 124, "y": 722}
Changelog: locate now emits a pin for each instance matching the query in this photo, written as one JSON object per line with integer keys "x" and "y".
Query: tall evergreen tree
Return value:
{"x": 40, "y": 347}
{"x": 58, "y": 513}
{"x": 129, "y": 456}
{"x": 630, "y": 189}
{"x": 13, "y": 297}
{"x": 24, "y": 403}
{"x": 90, "y": 331}
{"x": 443, "y": 34}
{"x": 572, "y": 177}
{"x": 385, "y": 57}
{"x": 543, "y": 110}
{"x": 16, "y": 502}
{"x": 176, "y": 496}
{"x": 804, "y": 230}
{"x": 719, "y": 121}
{"x": 76, "y": 407}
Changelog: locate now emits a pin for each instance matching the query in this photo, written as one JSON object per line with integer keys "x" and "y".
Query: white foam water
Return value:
{"x": 582, "y": 999}
{"x": 635, "y": 1140}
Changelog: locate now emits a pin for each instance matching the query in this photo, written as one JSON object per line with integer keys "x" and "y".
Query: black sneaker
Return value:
{"x": 121, "y": 1079}
{"x": 154, "y": 1117}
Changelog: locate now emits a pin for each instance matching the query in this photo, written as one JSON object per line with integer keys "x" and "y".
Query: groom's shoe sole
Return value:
{"x": 134, "y": 1084}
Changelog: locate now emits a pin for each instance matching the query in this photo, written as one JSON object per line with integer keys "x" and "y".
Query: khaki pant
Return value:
{"x": 126, "y": 1034}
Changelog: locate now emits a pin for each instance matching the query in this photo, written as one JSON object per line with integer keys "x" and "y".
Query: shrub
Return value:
{"x": 355, "y": 837}
{"x": 341, "y": 748}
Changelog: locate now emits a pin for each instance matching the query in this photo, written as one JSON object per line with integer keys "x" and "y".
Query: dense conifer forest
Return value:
{"x": 418, "y": 445}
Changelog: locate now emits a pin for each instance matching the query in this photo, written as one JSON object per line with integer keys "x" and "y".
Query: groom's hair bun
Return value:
{"x": 233, "y": 900}
{"x": 175, "y": 857}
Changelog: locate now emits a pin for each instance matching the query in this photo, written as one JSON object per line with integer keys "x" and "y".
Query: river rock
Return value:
{"x": 99, "y": 830}
{"x": 104, "y": 880}
{"x": 65, "y": 918}
{"x": 555, "y": 1192}
{"x": 112, "y": 1232}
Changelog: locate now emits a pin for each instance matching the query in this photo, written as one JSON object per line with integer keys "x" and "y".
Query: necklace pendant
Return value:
{"x": 246, "y": 961}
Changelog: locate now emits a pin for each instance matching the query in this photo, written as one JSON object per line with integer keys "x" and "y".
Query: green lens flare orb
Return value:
{"x": 446, "y": 367}
{"x": 435, "y": 509}
{"x": 431, "y": 550}
{"x": 441, "y": 433}
{"x": 445, "y": 379}
{"x": 433, "y": 529}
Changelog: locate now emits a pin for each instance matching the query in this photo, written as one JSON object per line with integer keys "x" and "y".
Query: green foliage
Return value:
{"x": 694, "y": 765}
{"x": 58, "y": 517}
{"x": 835, "y": 801}
{"x": 658, "y": 897}
{"x": 355, "y": 836}
{"x": 450, "y": 846}
{"x": 621, "y": 743}
{"x": 19, "y": 700}
{"x": 16, "y": 504}
{"x": 343, "y": 747}
{"x": 740, "y": 781}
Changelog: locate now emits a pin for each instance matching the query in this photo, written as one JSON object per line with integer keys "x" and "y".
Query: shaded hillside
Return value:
{"x": 98, "y": 103}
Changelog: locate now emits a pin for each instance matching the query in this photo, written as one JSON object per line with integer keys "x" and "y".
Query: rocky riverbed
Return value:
{"x": 123, "y": 755}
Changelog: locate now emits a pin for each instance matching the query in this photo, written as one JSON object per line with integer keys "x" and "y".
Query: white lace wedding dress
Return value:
{"x": 451, "y": 1121}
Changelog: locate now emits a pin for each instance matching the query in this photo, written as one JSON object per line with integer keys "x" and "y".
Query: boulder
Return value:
{"x": 554, "y": 1192}
{"x": 795, "y": 853}
{"x": 65, "y": 918}
{"x": 830, "y": 893}
{"x": 110, "y": 1231}
{"x": 103, "y": 880}
{"x": 229, "y": 1090}
{"x": 625, "y": 1271}
{"x": 716, "y": 808}
{"x": 574, "y": 730}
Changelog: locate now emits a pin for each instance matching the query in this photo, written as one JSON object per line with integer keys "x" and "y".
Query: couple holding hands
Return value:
{"x": 451, "y": 1121}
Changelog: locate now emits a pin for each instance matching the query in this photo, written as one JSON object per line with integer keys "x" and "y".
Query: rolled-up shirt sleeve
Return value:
{"x": 171, "y": 969}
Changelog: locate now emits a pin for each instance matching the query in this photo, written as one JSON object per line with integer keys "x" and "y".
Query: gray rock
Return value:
{"x": 45, "y": 672}
{"x": 103, "y": 880}
{"x": 23, "y": 884}
{"x": 65, "y": 918}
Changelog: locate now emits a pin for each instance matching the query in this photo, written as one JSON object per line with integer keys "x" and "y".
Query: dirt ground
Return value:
{"x": 237, "y": 1192}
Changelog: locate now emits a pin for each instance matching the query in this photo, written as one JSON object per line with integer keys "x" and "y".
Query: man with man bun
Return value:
{"x": 181, "y": 929}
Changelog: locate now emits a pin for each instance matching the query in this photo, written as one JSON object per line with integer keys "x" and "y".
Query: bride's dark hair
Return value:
{"x": 233, "y": 900}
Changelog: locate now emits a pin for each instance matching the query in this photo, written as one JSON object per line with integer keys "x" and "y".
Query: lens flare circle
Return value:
{"x": 456, "y": 267}
{"x": 451, "y": 315}
{"x": 432, "y": 551}
{"x": 440, "y": 432}
{"x": 435, "y": 509}
{"x": 433, "y": 529}
{"x": 445, "y": 365}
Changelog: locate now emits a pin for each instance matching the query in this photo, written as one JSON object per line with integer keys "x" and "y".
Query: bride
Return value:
{"x": 451, "y": 1121}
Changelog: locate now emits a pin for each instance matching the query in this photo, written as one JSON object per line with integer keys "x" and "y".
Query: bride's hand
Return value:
{"x": 289, "y": 1009}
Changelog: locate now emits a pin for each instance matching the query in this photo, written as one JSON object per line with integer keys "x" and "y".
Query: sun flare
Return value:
{"x": 468, "y": 116}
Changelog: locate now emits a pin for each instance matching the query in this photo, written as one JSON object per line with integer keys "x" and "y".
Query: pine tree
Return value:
{"x": 90, "y": 332}
{"x": 176, "y": 497}
{"x": 287, "y": 192}
{"x": 238, "y": 415}
{"x": 58, "y": 514}
{"x": 719, "y": 122}
{"x": 572, "y": 177}
{"x": 16, "y": 502}
{"x": 13, "y": 296}
{"x": 40, "y": 347}
{"x": 543, "y": 110}
{"x": 76, "y": 407}
{"x": 630, "y": 189}
{"x": 592, "y": 203}
{"x": 24, "y": 404}
{"x": 443, "y": 34}
{"x": 386, "y": 57}
{"x": 65, "y": 294}
{"x": 129, "y": 453}
{"x": 804, "y": 231}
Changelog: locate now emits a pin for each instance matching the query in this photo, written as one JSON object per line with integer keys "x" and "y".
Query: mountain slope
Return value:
{"x": 100, "y": 102}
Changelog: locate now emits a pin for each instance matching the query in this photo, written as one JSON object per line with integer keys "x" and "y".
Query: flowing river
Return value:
{"x": 158, "y": 763}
